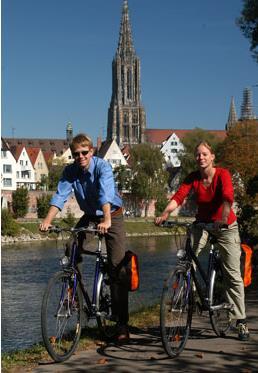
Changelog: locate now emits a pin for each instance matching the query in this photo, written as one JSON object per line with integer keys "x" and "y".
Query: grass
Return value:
{"x": 132, "y": 226}
{"x": 14, "y": 361}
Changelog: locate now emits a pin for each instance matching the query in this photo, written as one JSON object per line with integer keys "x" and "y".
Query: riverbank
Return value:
{"x": 26, "y": 360}
{"x": 133, "y": 228}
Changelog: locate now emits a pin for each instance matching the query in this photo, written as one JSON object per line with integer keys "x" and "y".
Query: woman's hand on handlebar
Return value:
{"x": 160, "y": 219}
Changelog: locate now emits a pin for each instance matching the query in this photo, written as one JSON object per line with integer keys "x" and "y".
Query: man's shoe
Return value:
{"x": 243, "y": 333}
{"x": 123, "y": 335}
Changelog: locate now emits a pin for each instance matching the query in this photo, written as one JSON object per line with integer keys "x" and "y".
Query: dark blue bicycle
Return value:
{"x": 66, "y": 300}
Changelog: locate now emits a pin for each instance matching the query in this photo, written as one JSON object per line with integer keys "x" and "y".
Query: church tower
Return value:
{"x": 126, "y": 115}
{"x": 232, "y": 116}
{"x": 69, "y": 132}
{"x": 247, "y": 107}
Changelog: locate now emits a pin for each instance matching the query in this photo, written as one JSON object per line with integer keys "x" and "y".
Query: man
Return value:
{"x": 92, "y": 181}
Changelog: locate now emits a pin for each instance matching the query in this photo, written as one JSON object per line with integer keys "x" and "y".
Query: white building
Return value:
{"x": 111, "y": 152}
{"x": 25, "y": 173}
{"x": 8, "y": 168}
{"x": 170, "y": 148}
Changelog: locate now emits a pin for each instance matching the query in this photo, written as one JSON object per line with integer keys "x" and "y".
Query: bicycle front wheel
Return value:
{"x": 106, "y": 321}
{"x": 61, "y": 316}
{"x": 220, "y": 319}
{"x": 176, "y": 312}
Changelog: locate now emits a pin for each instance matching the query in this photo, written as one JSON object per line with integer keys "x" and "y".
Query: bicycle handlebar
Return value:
{"x": 207, "y": 226}
{"x": 74, "y": 230}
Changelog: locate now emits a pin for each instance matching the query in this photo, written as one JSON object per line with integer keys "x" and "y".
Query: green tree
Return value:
{"x": 248, "y": 23}
{"x": 55, "y": 172}
{"x": 161, "y": 204}
{"x": 188, "y": 163}
{"x": 123, "y": 178}
{"x": 20, "y": 205}
{"x": 43, "y": 205}
{"x": 149, "y": 177}
{"x": 9, "y": 227}
{"x": 239, "y": 153}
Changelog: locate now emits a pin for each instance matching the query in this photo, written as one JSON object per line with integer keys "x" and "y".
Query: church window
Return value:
{"x": 129, "y": 84}
{"x": 135, "y": 132}
{"x": 126, "y": 132}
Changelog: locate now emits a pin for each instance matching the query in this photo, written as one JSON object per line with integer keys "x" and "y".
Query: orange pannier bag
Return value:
{"x": 246, "y": 264}
{"x": 131, "y": 265}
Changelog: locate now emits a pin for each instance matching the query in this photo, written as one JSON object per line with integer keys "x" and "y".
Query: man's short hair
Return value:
{"x": 81, "y": 140}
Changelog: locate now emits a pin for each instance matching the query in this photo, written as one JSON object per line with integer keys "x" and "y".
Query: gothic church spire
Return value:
{"x": 232, "y": 116}
{"x": 125, "y": 43}
{"x": 126, "y": 115}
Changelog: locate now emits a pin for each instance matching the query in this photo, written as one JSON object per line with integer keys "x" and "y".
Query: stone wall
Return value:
{"x": 71, "y": 205}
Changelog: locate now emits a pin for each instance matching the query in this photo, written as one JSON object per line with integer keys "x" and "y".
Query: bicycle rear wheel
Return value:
{"x": 61, "y": 316}
{"x": 176, "y": 312}
{"x": 220, "y": 319}
{"x": 106, "y": 322}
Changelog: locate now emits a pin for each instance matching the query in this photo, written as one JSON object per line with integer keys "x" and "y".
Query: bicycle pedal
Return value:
{"x": 222, "y": 306}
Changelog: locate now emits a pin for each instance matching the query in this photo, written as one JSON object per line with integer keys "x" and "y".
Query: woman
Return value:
{"x": 214, "y": 196}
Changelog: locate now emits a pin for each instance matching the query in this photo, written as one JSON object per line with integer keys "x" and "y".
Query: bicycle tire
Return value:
{"x": 176, "y": 312}
{"x": 220, "y": 319}
{"x": 107, "y": 324}
{"x": 61, "y": 316}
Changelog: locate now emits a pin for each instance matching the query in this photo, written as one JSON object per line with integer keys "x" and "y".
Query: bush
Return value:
{"x": 70, "y": 219}
{"x": 43, "y": 205}
{"x": 9, "y": 227}
{"x": 20, "y": 202}
{"x": 160, "y": 205}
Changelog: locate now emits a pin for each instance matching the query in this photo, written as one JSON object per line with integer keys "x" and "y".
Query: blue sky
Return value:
{"x": 57, "y": 56}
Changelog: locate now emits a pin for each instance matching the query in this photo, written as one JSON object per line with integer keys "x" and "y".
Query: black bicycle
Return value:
{"x": 183, "y": 288}
{"x": 66, "y": 300}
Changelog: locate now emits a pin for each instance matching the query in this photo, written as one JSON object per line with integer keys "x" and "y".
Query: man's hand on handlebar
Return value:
{"x": 44, "y": 226}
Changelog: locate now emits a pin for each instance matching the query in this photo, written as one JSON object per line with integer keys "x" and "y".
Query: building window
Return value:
{"x": 21, "y": 162}
{"x": 7, "y": 168}
{"x": 126, "y": 117}
{"x": 135, "y": 118}
{"x": 173, "y": 150}
{"x": 17, "y": 174}
{"x": 135, "y": 132}
{"x": 173, "y": 142}
{"x": 7, "y": 182}
{"x": 4, "y": 154}
{"x": 126, "y": 133}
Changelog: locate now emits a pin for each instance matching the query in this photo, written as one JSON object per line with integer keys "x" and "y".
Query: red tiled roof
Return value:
{"x": 16, "y": 151}
{"x": 157, "y": 136}
{"x": 57, "y": 146}
{"x": 48, "y": 155}
{"x": 33, "y": 154}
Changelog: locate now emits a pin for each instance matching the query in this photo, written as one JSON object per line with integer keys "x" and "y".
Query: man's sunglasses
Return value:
{"x": 83, "y": 152}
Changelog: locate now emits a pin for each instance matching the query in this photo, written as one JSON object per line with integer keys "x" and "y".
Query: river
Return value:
{"x": 26, "y": 269}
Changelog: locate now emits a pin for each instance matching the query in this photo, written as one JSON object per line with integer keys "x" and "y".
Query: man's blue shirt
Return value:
{"x": 92, "y": 188}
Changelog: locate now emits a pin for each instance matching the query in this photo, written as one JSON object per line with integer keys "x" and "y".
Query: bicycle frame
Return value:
{"x": 90, "y": 303}
{"x": 205, "y": 276}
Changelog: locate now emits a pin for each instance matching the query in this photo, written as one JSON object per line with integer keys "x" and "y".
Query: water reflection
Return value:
{"x": 27, "y": 268}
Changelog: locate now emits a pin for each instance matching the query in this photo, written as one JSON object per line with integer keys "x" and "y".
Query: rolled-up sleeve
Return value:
{"x": 106, "y": 184}
{"x": 227, "y": 186}
{"x": 64, "y": 189}
{"x": 183, "y": 190}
